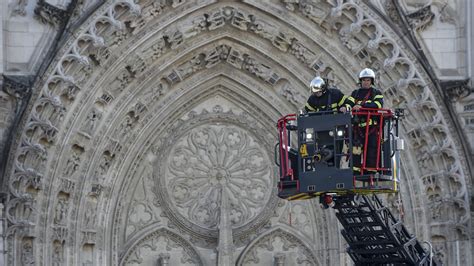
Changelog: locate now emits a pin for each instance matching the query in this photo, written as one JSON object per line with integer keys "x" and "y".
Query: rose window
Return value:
{"x": 210, "y": 160}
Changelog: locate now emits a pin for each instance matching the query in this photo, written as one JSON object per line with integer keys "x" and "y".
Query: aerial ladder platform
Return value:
{"x": 319, "y": 162}
{"x": 374, "y": 236}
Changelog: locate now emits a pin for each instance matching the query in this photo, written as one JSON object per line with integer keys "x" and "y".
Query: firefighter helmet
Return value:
{"x": 367, "y": 73}
{"x": 318, "y": 84}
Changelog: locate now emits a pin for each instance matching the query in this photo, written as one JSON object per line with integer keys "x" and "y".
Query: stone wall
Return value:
{"x": 142, "y": 132}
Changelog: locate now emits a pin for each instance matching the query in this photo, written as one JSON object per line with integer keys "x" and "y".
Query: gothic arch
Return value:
{"x": 117, "y": 79}
{"x": 167, "y": 246}
{"x": 284, "y": 240}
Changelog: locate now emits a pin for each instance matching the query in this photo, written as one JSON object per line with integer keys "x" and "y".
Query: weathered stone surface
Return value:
{"x": 150, "y": 111}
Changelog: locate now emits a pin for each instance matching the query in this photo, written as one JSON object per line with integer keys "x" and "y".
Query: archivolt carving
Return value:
{"x": 425, "y": 126}
{"x": 145, "y": 251}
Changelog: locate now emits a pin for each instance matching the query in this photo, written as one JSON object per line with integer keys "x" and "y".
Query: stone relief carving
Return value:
{"x": 152, "y": 93}
{"x": 314, "y": 10}
{"x": 24, "y": 179}
{"x": 231, "y": 55}
{"x": 31, "y": 155}
{"x": 73, "y": 161}
{"x": 111, "y": 150}
{"x": 127, "y": 125}
{"x": 123, "y": 78}
{"x": 153, "y": 52}
{"x": 162, "y": 241}
{"x": 446, "y": 13}
{"x": 90, "y": 123}
{"x": 144, "y": 208}
{"x": 456, "y": 89}
{"x": 149, "y": 11}
{"x": 282, "y": 243}
{"x": 48, "y": 13}
{"x": 90, "y": 214}
{"x": 57, "y": 257}
{"x": 301, "y": 52}
{"x": 211, "y": 156}
{"x": 291, "y": 94}
{"x": 421, "y": 18}
{"x": 27, "y": 256}
{"x": 60, "y": 212}
{"x": 295, "y": 1}
{"x": 20, "y": 7}
{"x": 21, "y": 211}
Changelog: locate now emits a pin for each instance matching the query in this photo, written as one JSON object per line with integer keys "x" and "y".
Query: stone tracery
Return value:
{"x": 209, "y": 156}
{"x": 46, "y": 124}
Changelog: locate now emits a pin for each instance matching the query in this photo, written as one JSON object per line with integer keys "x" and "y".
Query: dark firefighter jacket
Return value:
{"x": 331, "y": 100}
{"x": 367, "y": 98}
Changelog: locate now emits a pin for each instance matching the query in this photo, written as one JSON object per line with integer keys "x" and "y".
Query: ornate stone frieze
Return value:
{"x": 456, "y": 89}
{"x": 421, "y": 18}
{"x": 17, "y": 86}
{"x": 48, "y": 13}
{"x": 223, "y": 53}
{"x": 86, "y": 57}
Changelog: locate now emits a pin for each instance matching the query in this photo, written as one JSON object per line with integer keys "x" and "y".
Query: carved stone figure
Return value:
{"x": 61, "y": 211}
{"x": 27, "y": 257}
{"x": 20, "y": 7}
{"x": 90, "y": 123}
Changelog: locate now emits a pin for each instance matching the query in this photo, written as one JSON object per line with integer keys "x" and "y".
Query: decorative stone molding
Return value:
{"x": 17, "y": 86}
{"x": 421, "y": 18}
{"x": 50, "y": 14}
{"x": 20, "y": 7}
{"x": 455, "y": 90}
{"x": 73, "y": 79}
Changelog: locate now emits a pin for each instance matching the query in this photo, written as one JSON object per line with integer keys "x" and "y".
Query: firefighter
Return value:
{"x": 327, "y": 101}
{"x": 366, "y": 96}
{"x": 323, "y": 98}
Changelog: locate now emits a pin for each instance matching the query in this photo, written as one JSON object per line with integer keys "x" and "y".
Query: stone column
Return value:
{"x": 2, "y": 242}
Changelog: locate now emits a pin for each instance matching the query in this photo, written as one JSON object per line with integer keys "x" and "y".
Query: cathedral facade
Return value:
{"x": 142, "y": 132}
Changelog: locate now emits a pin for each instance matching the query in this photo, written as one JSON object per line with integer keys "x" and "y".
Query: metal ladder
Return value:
{"x": 375, "y": 236}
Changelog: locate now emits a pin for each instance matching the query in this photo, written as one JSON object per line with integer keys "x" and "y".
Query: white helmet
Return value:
{"x": 367, "y": 73}
{"x": 317, "y": 84}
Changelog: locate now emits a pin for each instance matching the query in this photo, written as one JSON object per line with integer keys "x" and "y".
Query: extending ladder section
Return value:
{"x": 374, "y": 236}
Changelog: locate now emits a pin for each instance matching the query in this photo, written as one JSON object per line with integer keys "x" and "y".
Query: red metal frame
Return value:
{"x": 381, "y": 114}
{"x": 283, "y": 137}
